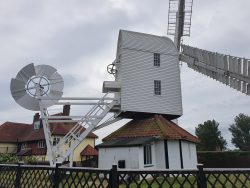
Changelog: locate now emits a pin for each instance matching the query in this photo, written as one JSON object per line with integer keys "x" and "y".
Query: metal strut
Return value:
{"x": 89, "y": 122}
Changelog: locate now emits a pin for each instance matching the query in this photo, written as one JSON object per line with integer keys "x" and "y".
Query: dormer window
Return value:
{"x": 36, "y": 125}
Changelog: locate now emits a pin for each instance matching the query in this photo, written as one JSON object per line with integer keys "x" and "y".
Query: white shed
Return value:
{"x": 154, "y": 142}
{"x": 147, "y": 76}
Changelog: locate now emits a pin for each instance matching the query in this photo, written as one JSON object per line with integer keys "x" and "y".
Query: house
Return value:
{"x": 29, "y": 140}
{"x": 155, "y": 143}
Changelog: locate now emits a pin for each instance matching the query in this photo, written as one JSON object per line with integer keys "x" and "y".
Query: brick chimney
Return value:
{"x": 36, "y": 117}
{"x": 66, "y": 110}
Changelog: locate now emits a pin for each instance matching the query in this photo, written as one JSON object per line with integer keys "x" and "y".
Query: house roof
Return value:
{"x": 63, "y": 128}
{"x": 156, "y": 126}
{"x": 12, "y": 132}
{"x": 89, "y": 151}
{"x": 146, "y": 42}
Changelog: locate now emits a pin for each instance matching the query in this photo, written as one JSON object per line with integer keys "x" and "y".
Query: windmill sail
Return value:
{"x": 179, "y": 19}
{"x": 230, "y": 70}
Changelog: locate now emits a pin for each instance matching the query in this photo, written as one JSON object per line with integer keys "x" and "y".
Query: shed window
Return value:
{"x": 157, "y": 87}
{"x": 157, "y": 60}
{"x": 147, "y": 154}
{"x": 41, "y": 144}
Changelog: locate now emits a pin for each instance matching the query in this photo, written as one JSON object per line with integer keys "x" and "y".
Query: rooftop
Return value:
{"x": 12, "y": 132}
{"x": 156, "y": 126}
{"x": 89, "y": 151}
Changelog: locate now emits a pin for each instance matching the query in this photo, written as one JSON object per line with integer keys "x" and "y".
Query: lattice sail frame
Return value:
{"x": 179, "y": 19}
{"x": 229, "y": 70}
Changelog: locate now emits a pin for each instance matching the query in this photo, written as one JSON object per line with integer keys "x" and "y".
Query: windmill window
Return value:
{"x": 41, "y": 144}
{"x": 147, "y": 154}
{"x": 157, "y": 87}
{"x": 157, "y": 60}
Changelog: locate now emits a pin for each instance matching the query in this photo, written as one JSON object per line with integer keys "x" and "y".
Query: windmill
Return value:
{"x": 147, "y": 82}
{"x": 155, "y": 51}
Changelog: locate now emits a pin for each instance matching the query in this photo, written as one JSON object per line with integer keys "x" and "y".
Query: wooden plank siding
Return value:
{"x": 136, "y": 72}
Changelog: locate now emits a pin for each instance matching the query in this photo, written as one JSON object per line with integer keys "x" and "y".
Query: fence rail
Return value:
{"x": 22, "y": 176}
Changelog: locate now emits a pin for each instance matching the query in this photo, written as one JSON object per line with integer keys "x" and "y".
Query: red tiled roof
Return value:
{"x": 32, "y": 134}
{"x": 63, "y": 129}
{"x": 89, "y": 151}
{"x": 155, "y": 126}
{"x": 12, "y": 132}
{"x": 19, "y": 132}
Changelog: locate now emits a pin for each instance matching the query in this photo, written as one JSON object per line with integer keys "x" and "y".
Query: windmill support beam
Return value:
{"x": 80, "y": 103}
{"x": 78, "y": 98}
{"x": 47, "y": 135}
{"x": 71, "y": 117}
{"x": 108, "y": 123}
{"x": 179, "y": 23}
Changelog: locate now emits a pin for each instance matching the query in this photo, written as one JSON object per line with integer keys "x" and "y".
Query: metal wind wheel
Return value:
{"x": 37, "y": 86}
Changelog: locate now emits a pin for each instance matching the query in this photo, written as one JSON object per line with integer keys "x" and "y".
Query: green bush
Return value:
{"x": 221, "y": 155}
{"x": 8, "y": 158}
{"x": 29, "y": 159}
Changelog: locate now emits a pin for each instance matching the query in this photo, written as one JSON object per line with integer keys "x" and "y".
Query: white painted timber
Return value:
{"x": 160, "y": 161}
{"x": 136, "y": 73}
{"x": 110, "y": 156}
{"x": 174, "y": 158}
{"x": 189, "y": 155}
{"x": 134, "y": 156}
{"x": 110, "y": 86}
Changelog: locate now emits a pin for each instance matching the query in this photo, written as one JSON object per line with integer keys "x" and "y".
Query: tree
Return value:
{"x": 241, "y": 132}
{"x": 210, "y": 137}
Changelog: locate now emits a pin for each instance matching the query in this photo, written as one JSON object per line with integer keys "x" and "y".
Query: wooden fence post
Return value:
{"x": 114, "y": 177}
{"x": 18, "y": 174}
{"x": 201, "y": 177}
{"x": 56, "y": 177}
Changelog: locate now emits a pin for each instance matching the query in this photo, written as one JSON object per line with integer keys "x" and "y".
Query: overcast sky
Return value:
{"x": 79, "y": 38}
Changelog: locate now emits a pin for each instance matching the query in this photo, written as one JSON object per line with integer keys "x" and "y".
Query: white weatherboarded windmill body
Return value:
{"x": 147, "y": 81}
{"x": 147, "y": 76}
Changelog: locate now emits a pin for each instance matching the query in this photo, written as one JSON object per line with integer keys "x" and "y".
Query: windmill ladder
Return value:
{"x": 82, "y": 129}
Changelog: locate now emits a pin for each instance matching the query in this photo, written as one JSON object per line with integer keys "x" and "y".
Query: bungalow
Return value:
{"x": 154, "y": 142}
{"x": 29, "y": 140}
